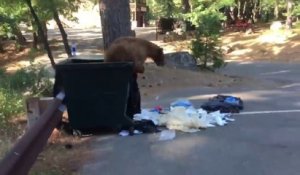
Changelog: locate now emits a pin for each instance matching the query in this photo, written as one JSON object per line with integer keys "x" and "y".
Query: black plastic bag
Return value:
{"x": 224, "y": 104}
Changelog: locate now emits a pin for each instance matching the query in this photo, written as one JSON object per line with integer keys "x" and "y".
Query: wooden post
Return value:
{"x": 35, "y": 108}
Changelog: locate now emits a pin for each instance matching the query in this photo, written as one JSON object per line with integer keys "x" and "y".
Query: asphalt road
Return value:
{"x": 257, "y": 144}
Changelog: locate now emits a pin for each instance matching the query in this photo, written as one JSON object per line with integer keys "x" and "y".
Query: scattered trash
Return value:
{"x": 157, "y": 109}
{"x": 217, "y": 118}
{"x": 224, "y": 104}
{"x": 179, "y": 119}
{"x": 124, "y": 133}
{"x": 137, "y": 132}
{"x": 229, "y": 119}
{"x": 191, "y": 111}
{"x": 231, "y": 100}
{"x": 183, "y": 116}
{"x": 181, "y": 102}
{"x": 167, "y": 135}
{"x": 148, "y": 115}
{"x": 146, "y": 126}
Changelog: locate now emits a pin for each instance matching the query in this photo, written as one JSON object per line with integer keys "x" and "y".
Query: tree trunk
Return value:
{"x": 260, "y": 10}
{"x": 62, "y": 32}
{"x": 247, "y": 11}
{"x": 185, "y": 6}
{"x": 35, "y": 40}
{"x": 255, "y": 11}
{"x": 289, "y": 14}
{"x": 115, "y": 20}
{"x": 41, "y": 32}
{"x": 229, "y": 18}
{"x": 289, "y": 7}
{"x": 16, "y": 31}
{"x": 235, "y": 12}
{"x": 45, "y": 32}
{"x": 241, "y": 8}
{"x": 1, "y": 46}
{"x": 276, "y": 9}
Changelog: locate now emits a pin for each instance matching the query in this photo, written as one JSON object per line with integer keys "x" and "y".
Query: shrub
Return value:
{"x": 11, "y": 104}
{"x": 14, "y": 88}
{"x": 206, "y": 47}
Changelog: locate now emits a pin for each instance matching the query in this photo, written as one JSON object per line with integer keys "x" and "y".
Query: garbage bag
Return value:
{"x": 224, "y": 104}
{"x": 179, "y": 119}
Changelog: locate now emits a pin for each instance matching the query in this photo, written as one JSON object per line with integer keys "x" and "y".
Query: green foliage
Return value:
{"x": 264, "y": 9}
{"x": 297, "y": 26}
{"x": 205, "y": 47}
{"x": 267, "y": 5}
{"x": 10, "y": 104}
{"x": 211, "y": 3}
{"x": 223, "y": 3}
{"x": 296, "y": 10}
{"x": 32, "y": 81}
{"x": 64, "y": 7}
{"x": 11, "y": 14}
{"x": 162, "y": 8}
{"x": 206, "y": 17}
{"x": 207, "y": 52}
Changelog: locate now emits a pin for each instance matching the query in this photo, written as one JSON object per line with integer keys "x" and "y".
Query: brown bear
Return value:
{"x": 136, "y": 50}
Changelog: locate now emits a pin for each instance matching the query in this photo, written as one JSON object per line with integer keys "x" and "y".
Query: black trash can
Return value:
{"x": 96, "y": 93}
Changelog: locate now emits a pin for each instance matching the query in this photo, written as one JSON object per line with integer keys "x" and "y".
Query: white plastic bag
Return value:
{"x": 178, "y": 119}
{"x": 147, "y": 115}
{"x": 167, "y": 135}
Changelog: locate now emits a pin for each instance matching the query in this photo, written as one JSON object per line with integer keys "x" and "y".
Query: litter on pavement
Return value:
{"x": 224, "y": 104}
{"x": 167, "y": 135}
{"x": 183, "y": 116}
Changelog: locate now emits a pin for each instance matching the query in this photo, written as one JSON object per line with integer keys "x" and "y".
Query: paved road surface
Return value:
{"x": 260, "y": 144}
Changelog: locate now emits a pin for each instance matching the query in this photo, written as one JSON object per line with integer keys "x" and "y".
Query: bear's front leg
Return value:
{"x": 139, "y": 66}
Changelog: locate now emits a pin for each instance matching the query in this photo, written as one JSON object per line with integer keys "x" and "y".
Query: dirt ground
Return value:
{"x": 263, "y": 45}
{"x": 159, "y": 80}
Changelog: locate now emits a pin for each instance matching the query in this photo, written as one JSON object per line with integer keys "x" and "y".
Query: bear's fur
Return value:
{"x": 135, "y": 50}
